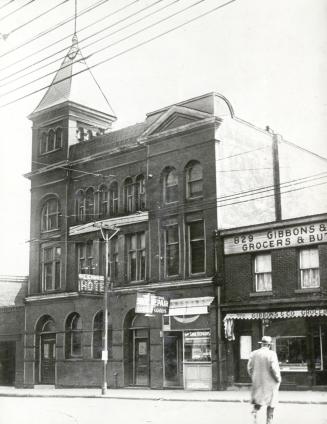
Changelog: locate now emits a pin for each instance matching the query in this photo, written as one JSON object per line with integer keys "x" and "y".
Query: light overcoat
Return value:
{"x": 264, "y": 371}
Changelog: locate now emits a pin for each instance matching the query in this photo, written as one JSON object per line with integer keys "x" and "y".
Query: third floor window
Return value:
{"x": 50, "y": 215}
{"x": 170, "y": 186}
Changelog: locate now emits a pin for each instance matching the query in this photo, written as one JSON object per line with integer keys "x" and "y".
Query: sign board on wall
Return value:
{"x": 149, "y": 303}
{"x": 88, "y": 283}
{"x": 300, "y": 235}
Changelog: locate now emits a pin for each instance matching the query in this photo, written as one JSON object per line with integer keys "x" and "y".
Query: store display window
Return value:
{"x": 197, "y": 346}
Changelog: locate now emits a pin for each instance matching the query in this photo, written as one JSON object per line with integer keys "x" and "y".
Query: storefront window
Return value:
{"x": 291, "y": 352}
{"x": 197, "y": 347}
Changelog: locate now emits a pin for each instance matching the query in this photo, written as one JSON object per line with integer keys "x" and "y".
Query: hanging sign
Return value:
{"x": 300, "y": 235}
{"x": 149, "y": 303}
{"x": 88, "y": 283}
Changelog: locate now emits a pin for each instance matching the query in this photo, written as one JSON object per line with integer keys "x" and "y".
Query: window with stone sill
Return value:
{"x": 309, "y": 268}
{"x": 51, "y": 268}
{"x": 194, "y": 180}
{"x": 170, "y": 186}
{"x": 262, "y": 273}
{"x": 50, "y": 215}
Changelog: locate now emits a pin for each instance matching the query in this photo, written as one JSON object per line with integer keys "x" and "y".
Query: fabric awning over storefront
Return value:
{"x": 190, "y": 306}
{"x": 303, "y": 313}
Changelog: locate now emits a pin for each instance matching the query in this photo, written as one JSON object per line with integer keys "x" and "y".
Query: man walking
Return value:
{"x": 264, "y": 371}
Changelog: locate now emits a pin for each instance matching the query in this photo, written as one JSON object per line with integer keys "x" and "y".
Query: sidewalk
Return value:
{"x": 296, "y": 397}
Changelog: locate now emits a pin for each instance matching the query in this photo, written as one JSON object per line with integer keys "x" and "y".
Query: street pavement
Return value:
{"x": 81, "y": 410}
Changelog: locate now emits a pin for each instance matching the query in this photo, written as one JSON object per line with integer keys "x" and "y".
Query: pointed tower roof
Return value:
{"x": 74, "y": 82}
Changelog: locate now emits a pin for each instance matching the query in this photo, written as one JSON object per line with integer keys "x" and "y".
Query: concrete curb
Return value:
{"x": 154, "y": 398}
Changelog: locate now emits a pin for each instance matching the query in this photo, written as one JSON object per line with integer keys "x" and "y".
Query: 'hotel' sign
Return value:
{"x": 88, "y": 283}
{"x": 278, "y": 238}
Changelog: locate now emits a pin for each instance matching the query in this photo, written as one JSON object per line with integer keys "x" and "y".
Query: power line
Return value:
{"x": 16, "y": 10}
{"x": 60, "y": 24}
{"x": 90, "y": 44}
{"x": 6, "y": 4}
{"x": 69, "y": 168}
{"x": 303, "y": 148}
{"x": 104, "y": 48}
{"x": 36, "y": 17}
{"x": 126, "y": 50}
{"x": 58, "y": 41}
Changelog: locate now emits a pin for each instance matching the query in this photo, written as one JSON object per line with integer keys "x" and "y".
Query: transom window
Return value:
{"x": 196, "y": 247}
{"x": 86, "y": 262}
{"x": 309, "y": 268}
{"x": 194, "y": 180}
{"x": 171, "y": 186}
{"x": 51, "y": 267}
{"x": 172, "y": 250}
{"x": 136, "y": 257}
{"x": 50, "y": 215}
{"x": 73, "y": 345}
{"x": 262, "y": 273}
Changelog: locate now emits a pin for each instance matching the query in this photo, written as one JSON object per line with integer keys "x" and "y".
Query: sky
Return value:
{"x": 268, "y": 57}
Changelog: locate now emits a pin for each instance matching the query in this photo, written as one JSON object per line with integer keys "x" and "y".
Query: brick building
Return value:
{"x": 13, "y": 291}
{"x": 165, "y": 185}
{"x": 276, "y": 285}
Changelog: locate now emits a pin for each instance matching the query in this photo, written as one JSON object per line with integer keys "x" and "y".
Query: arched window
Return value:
{"x": 97, "y": 335}
{"x": 140, "y": 193}
{"x": 103, "y": 201}
{"x": 58, "y": 142}
{"x": 51, "y": 140}
{"x": 50, "y": 215}
{"x": 89, "y": 203}
{"x": 194, "y": 180}
{"x": 73, "y": 342}
{"x": 43, "y": 145}
{"x": 113, "y": 198}
{"x": 170, "y": 186}
{"x": 128, "y": 195}
{"x": 80, "y": 206}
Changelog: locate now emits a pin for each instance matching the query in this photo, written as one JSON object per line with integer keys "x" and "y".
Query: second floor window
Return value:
{"x": 128, "y": 195}
{"x": 196, "y": 247}
{"x": 172, "y": 250}
{"x": 103, "y": 201}
{"x": 136, "y": 257}
{"x": 140, "y": 193}
{"x": 170, "y": 186}
{"x": 80, "y": 206}
{"x": 50, "y": 215}
{"x": 51, "y": 267}
{"x": 89, "y": 204}
{"x": 86, "y": 262}
{"x": 194, "y": 180}
{"x": 113, "y": 198}
{"x": 262, "y": 273}
{"x": 309, "y": 268}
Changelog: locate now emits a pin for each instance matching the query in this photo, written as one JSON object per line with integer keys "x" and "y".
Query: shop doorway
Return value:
{"x": 7, "y": 363}
{"x": 48, "y": 358}
{"x": 45, "y": 350}
{"x": 173, "y": 359}
{"x": 141, "y": 362}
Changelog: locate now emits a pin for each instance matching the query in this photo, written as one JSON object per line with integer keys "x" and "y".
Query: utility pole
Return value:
{"x": 107, "y": 288}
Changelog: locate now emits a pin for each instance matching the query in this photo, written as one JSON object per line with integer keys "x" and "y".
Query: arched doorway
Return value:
{"x": 136, "y": 350}
{"x": 46, "y": 350}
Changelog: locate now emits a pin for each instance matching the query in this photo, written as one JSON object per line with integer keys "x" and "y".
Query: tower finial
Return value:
{"x": 75, "y": 18}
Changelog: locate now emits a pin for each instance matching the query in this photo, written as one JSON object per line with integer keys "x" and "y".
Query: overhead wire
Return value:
{"x": 36, "y": 17}
{"x": 60, "y": 40}
{"x": 16, "y": 10}
{"x": 104, "y": 48}
{"x": 53, "y": 28}
{"x": 126, "y": 50}
{"x": 90, "y": 44}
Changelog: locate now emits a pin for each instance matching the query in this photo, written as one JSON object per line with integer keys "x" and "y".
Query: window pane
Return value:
{"x": 197, "y": 256}
{"x": 195, "y": 172}
{"x": 57, "y": 275}
{"x": 133, "y": 266}
{"x": 309, "y": 258}
{"x": 263, "y": 263}
{"x": 48, "y": 254}
{"x": 76, "y": 343}
{"x": 48, "y": 276}
{"x": 172, "y": 234}
{"x": 263, "y": 282}
{"x": 172, "y": 258}
{"x": 196, "y": 230}
{"x": 195, "y": 188}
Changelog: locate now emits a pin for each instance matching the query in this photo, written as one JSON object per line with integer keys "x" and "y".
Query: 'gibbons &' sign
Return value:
{"x": 299, "y": 235}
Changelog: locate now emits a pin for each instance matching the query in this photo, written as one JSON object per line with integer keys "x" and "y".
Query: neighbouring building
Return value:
{"x": 164, "y": 187}
{"x": 275, "y": 283}
{"x": 13, "y": 290}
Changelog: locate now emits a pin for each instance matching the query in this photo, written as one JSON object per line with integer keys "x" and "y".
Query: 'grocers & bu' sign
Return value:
{"x": 299, "y": 235}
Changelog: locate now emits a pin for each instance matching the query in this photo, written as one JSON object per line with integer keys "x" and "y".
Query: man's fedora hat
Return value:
{"x": 266, "y": 340}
